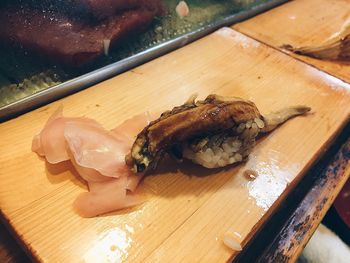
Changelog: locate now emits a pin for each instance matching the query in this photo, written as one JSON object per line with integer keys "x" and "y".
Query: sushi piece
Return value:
{"x": 214, "y": 132}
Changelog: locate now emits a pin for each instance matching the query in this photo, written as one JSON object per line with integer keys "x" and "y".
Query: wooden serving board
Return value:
{"x": 302, "y": 23}
{"x": 189, "y": 209}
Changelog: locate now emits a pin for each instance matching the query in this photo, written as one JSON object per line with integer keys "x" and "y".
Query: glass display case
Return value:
{"x": 49, "y": 49}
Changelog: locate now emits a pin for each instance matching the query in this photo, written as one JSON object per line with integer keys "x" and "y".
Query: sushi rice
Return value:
{"x": 223, "y": 149}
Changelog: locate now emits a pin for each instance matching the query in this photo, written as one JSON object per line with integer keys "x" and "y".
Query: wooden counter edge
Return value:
{"x": 289, "y": 229}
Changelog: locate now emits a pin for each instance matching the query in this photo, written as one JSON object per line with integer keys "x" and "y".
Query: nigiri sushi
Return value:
{"x": 214, "y": 132}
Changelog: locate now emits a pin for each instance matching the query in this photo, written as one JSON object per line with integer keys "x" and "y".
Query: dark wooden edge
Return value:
{"x": 12, "y": 247}
{"x": 10, "y": 251}
{"x": 289, "y": 228}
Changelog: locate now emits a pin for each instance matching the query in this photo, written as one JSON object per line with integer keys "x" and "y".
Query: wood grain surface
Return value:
{"x": 187, "y": 213}
{"x": 301, "y": 23}
{"x": 292, "y": 224}
{"x": 313, "y": 208}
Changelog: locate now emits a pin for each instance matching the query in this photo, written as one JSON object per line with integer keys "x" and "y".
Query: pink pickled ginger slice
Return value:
{"x": 96, "y": 148}
{"x": 133, "y": 126}
{"x": 133, "y": 181}
{"x": 36, "y": 145}
{"x": 50, "y": 142}
{"x": 98, "y": 156}
{"x": 105, "y": 197}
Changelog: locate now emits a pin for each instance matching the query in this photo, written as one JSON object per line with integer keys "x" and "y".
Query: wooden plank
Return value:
{"x": 311, "y": 211}
{"x": 301, "y": 23}
{"x": 290, "y": 227}
{"x": 186, "y": 215}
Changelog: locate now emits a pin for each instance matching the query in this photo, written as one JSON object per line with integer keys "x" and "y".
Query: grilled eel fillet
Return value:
{"x": 212, "y": 116}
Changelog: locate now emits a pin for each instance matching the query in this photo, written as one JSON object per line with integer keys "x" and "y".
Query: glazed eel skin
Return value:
{"x": 216, "y": 115}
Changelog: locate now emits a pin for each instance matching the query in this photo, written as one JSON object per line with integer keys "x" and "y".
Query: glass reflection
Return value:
{"x": 112, "y": 246}
{"x": 44, "y": 43}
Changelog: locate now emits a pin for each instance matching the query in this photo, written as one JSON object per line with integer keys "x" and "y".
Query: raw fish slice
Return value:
{"x": 105, "y": 8}
{"x": 71, "y": 41}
